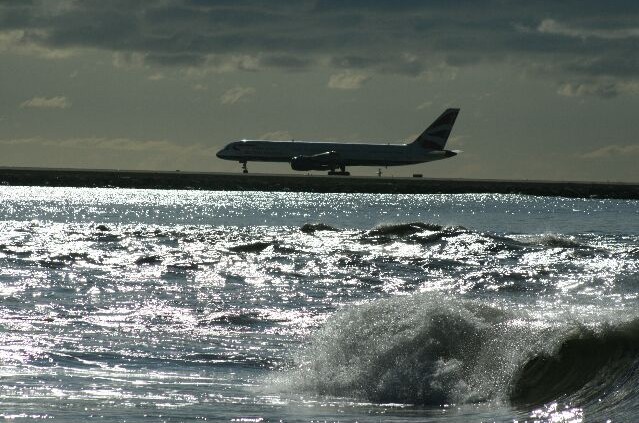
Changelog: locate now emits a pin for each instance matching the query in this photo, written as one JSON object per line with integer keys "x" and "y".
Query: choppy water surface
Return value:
{"x": 145, "y": 305}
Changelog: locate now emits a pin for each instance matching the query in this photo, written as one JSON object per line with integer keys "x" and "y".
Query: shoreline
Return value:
{"x": 104, "y": 178}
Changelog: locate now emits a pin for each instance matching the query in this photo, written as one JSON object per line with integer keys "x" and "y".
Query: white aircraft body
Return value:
{"x": 312, "y": 155}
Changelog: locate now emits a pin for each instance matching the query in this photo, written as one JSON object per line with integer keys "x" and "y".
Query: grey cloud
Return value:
{"x": 576, "y": 41}
{"x": 234, "y": 95}
{"x": 395, "y": 63}
{"x": 600, "y": 89}
{"x": 93, "y": 152}
{"x": 115, "y": 144}
{"x": 618, "y": 65}
{"x": 58, "y": 102}
{"x": 605, "y": 87}
{"x": 176, "y": 59}
{"x": 15, "y": 14}
{"x": 288, "y": 62}
{"x": 612, "y": 151}
{"x": 551, "y": 26}
{"x": 347, "y": 80}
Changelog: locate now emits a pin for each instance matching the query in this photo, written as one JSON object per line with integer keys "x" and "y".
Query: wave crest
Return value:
{"x": 418, "y": 349}
{"x": 556, "y": 241}
{"x": 403, "y": 229}
{"x": 586, "y": 362}
{"x": 310, "y": 228}
{"x": 430, "y": 350}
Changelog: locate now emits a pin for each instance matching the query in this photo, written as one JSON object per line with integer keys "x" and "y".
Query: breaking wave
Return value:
{"x": 430, "y": 350}
{"x": 587, "y": 363}
{"x": 556, "y": 241}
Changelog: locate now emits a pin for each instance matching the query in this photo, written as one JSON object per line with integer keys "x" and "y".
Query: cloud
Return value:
{"x": 128, "y": 60}
{"x": 550, "y": 26}
{"x": 27, "y": 43}
{"x": 347, "y": 80}
{"x": 234, "y": 95}
{"x": 114, "y": 144}
{"x": 276, "y": 135}
{"x": 573, "y": 40}
{"x": 603, "y": 88}
{"x": 94, "y": 152}
{"x": 287, "y": 62}
{"x": 608, "y": 89}
{"x": 609, "y": 151}
{"x": 46, "y": 103}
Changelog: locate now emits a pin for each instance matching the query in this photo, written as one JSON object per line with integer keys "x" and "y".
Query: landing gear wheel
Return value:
{"x": 244, "y": 169}
{"x": 342, "y": 171}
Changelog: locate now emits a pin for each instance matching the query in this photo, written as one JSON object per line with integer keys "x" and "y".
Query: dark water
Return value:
{"x": 144, "y": 305}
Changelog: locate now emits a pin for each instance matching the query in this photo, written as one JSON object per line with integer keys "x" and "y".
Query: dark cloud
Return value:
{"x": 574, "y": 41}
{"x": 15, "y": 14}
{"x": 288, "y": 62}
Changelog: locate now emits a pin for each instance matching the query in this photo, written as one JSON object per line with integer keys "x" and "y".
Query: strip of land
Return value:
{"x": 307, "y": 183}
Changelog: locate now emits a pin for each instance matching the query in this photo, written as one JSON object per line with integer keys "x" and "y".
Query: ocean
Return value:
{"x": 167, "y": 305}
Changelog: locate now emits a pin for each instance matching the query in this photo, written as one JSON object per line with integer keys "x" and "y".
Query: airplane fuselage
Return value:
{"x": 311, "y": 155}
{"x": 349, "y": 154}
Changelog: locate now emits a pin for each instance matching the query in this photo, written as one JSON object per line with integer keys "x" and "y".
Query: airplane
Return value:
{"x": 313, "y": 155}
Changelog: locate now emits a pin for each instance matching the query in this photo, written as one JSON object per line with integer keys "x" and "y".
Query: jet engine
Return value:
{"x": 322, "y": 161}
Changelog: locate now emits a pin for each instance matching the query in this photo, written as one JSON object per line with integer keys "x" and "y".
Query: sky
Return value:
{"x": 548, "y": 90}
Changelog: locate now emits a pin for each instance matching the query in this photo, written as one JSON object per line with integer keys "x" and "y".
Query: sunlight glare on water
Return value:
{"x": 136, "y": 304}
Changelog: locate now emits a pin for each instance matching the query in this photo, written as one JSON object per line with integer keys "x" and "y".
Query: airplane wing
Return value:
{"x": 322, "y": 161}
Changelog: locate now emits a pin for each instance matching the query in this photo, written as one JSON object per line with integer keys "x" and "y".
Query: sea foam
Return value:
{"x": 430, "y": 350}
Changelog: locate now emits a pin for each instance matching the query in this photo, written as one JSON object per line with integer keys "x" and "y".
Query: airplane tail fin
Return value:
{"x": 436, "y": 135}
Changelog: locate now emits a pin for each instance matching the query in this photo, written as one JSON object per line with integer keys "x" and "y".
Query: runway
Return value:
{"x": 308, "y": 183}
